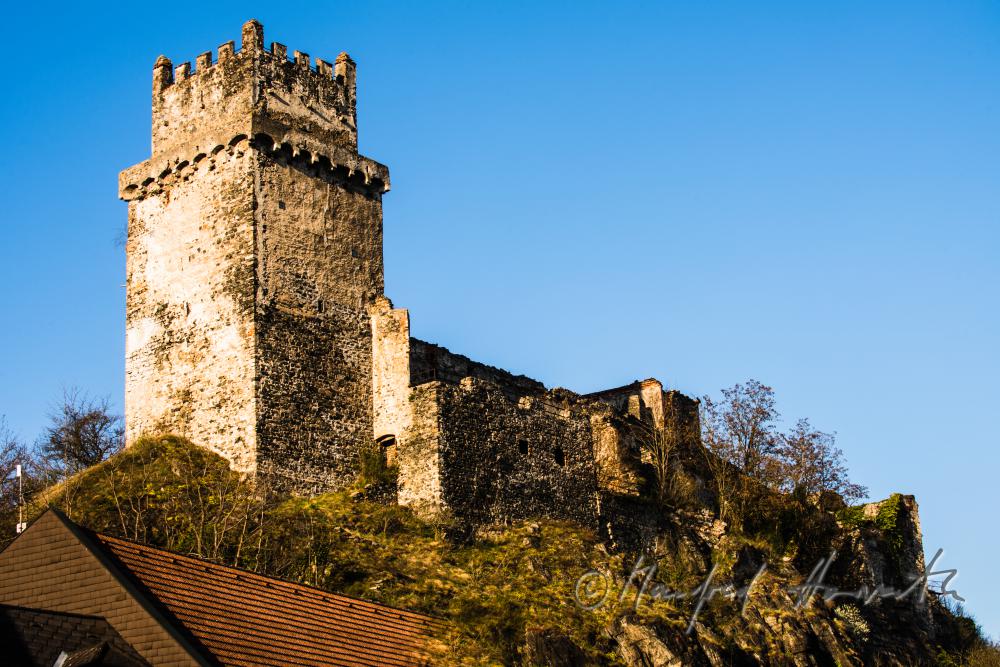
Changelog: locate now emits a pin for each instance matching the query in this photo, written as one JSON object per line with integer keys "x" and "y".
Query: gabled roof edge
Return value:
{"x": 128, "y": 584}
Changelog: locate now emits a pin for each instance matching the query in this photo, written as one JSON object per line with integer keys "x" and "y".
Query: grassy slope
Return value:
{"x": 495, "y": 591}
{"x": 168, "y": 493}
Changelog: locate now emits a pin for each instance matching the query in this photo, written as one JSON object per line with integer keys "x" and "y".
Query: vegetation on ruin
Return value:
{"x": 507, "y": 590}
{"x": 509, "y": 594}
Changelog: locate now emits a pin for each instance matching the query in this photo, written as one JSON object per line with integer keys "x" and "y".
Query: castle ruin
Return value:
{"x": 257, "y": 325}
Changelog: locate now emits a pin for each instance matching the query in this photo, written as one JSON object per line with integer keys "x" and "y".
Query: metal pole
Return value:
{"x": 20, "y": 500}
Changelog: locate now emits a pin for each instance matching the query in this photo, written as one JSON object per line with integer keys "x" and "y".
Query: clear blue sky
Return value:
{"x": 589, "y": 193}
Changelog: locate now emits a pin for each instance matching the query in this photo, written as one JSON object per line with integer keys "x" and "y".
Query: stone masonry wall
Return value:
{"x": 299, "y": 101}
{"x": 418, "y": 456}
{"x": 392, "y": 407}
{"x": 616, "y": 453}
{"x": 319, "y": 245}
{"x": 314, "y": 406}
{"x": 433, "y": 362}
{"x": 643, "y": 399}
{"x": 320, "y": 237}
{"x": 189, "y": 332}
{"x": 503, "y": 460}
{"x": 485, "y": 446}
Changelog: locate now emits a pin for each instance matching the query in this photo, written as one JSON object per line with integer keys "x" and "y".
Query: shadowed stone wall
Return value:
{"x": 497, "y": 460}
{"x": 319, "y": 250}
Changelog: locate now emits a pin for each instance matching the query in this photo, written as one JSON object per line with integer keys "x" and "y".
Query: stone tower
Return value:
{"x": 254, "y": 249}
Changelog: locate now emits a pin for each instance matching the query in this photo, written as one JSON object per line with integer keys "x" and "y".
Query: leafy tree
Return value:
{"x": 810, "y": 461}
{"x": 740, "y": 428}
{"x": 82, "y": 432}
{"x": 748, "y": 455}
{"x": 739, "y": 438}
{"x": 665, "y": 450}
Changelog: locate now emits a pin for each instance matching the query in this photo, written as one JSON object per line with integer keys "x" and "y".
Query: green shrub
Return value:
{"x": 888, "y": 521}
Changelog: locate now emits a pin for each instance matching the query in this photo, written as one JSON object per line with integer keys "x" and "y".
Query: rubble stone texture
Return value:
{"x": 256, "y": 323}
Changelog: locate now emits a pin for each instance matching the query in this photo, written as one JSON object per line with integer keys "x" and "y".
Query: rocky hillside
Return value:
{"x": 548, "y": 593}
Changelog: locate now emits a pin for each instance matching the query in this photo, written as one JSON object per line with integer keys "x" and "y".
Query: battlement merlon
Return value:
{"x": 250, "y": 92}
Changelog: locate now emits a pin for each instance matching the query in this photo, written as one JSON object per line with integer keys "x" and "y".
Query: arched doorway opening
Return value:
{"x": 387, "y": 443}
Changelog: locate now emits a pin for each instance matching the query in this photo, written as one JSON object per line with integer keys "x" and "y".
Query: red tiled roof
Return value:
{"x": 247, "y": 619}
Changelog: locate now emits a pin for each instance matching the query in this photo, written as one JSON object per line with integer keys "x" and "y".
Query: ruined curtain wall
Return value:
{"x": 432, "y": 362}
{"x": 503, "y": 460}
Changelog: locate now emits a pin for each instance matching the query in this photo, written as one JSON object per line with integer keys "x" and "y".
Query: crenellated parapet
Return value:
{"x": 308, "y": 104}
